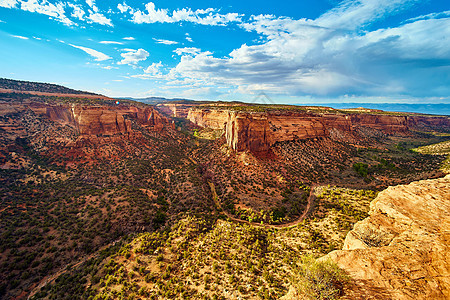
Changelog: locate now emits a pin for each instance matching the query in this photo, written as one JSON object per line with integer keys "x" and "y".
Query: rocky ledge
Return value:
{"x": 402, "y": 250}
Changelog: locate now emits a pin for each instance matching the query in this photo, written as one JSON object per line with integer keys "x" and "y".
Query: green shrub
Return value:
{"x": 319, "y": 279}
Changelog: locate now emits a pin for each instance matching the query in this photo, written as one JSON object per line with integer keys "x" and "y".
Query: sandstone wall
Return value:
{"x": 258, "y": 131}
{"x": 94, "y": 120}
{"x": 402, "y": 250}
{"x": 422, "y": 123}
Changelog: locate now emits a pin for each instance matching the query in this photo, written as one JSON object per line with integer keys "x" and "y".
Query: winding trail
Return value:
{"x": 279, "y": 226}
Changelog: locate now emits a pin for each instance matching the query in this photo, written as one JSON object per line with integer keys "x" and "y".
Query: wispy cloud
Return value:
{"x": 97, "y": 55}
{"x": 132, "y": 57}
{"x": 165, "y": 42}
{"x": 129, "y": 38}
{"x": 111, "y": 42}
{"x": 95, "y": 17}
{"x": 55, "y": 11}
{"x": 187, "y": 51}
{"x": 20, "y": 37}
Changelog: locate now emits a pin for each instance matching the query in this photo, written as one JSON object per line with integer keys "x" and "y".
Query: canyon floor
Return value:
{"x": 100, "y": 200}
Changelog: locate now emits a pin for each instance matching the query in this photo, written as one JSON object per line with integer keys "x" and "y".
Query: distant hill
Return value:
{"x": 29, "y": 86}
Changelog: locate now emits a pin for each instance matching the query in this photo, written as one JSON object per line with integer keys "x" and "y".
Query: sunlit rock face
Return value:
{"x": 402, "y": 250}
{"x": 259, "y": 131}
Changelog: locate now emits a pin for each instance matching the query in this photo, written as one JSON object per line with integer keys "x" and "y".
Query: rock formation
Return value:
{"x": 89, "y": 120}
{"x": 402, "y": 250}
{"x": 258, "y": 131}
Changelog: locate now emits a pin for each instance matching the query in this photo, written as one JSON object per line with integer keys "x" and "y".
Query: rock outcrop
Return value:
{"x": 93, "y": 120}
{"x": 402, "y": 250}
{"x": 258, "y": 131}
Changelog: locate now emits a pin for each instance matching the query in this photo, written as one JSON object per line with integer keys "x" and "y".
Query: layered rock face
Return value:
{"x": 258, "y": 131}
{"x": 421, "y": 123}
{"x": 402, "y": 250}
{"x": 109, "y": 121}
{"x": 94, "y": 120}
{"x": 385, "y": 123}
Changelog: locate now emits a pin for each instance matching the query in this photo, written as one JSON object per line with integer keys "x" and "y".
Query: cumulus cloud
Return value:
{"x": 152, "y": 72}
{"x": 57, "y": 11}
{"x": 123, "y": 7}
{"x": 331, "y": 55}
{"x": 165, "y": 42}
{"x": 97, "y": 55}
{"x": 132, "y": 57}
{"x": 154, "y": 69}
{"x": 129, "y": 38}
{"x": 151, "y": 14}
{"x": 78, "y": 11}
{"x": 8, "y": 3}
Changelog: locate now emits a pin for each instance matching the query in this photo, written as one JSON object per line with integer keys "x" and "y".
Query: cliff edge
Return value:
{"x": 402, "y": 250}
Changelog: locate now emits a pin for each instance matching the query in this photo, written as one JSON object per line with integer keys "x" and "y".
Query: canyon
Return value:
{"x": 90, "y": 120}
{"x": 259, "y": 131}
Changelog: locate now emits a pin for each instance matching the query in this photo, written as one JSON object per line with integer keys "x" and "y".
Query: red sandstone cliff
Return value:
{"x": 258, "y": 131}
{"x": 94, "y": 120}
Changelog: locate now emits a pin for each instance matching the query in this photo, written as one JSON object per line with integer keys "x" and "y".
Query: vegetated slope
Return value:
{"x": 442, "y": 148}
{"x": 401, "y": 251}
{"x": 79, "y": 174}
{"x": 213, "y": 258}
{"x": 65, "y": 193}
{"x": 29, "y": 86}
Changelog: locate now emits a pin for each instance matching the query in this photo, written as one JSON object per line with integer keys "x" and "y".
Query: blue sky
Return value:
{"x": 294, "y": 51}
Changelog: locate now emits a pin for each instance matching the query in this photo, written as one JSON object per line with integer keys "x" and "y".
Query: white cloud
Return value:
{"x": 91, "y": 3}
{"x": 111, "y": 42}
{"x": 129, "y": 38}
{"x": 154, "y": 69}
{"x": 20, "y": 37}
{"x": 316, "y": 57}
{"x": 78, "y": 11}
{"x": 108, "y": 67}
{"x": 55, "y": 11}
{"x": 437, "y": 15}
{"x": 187, "y": 50}
{"x": 351, "y": 14}
{"x": 99, "y": 56}
{"x": 188, "y": 38}
{"x": 132, "y": 57}
{"x": 99, "y": 18}
{"x": 8, "y": 3}
{"x": 152, "y": 14}
{"x": 165, "y": 42}
{"x": 123, "y": 7}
